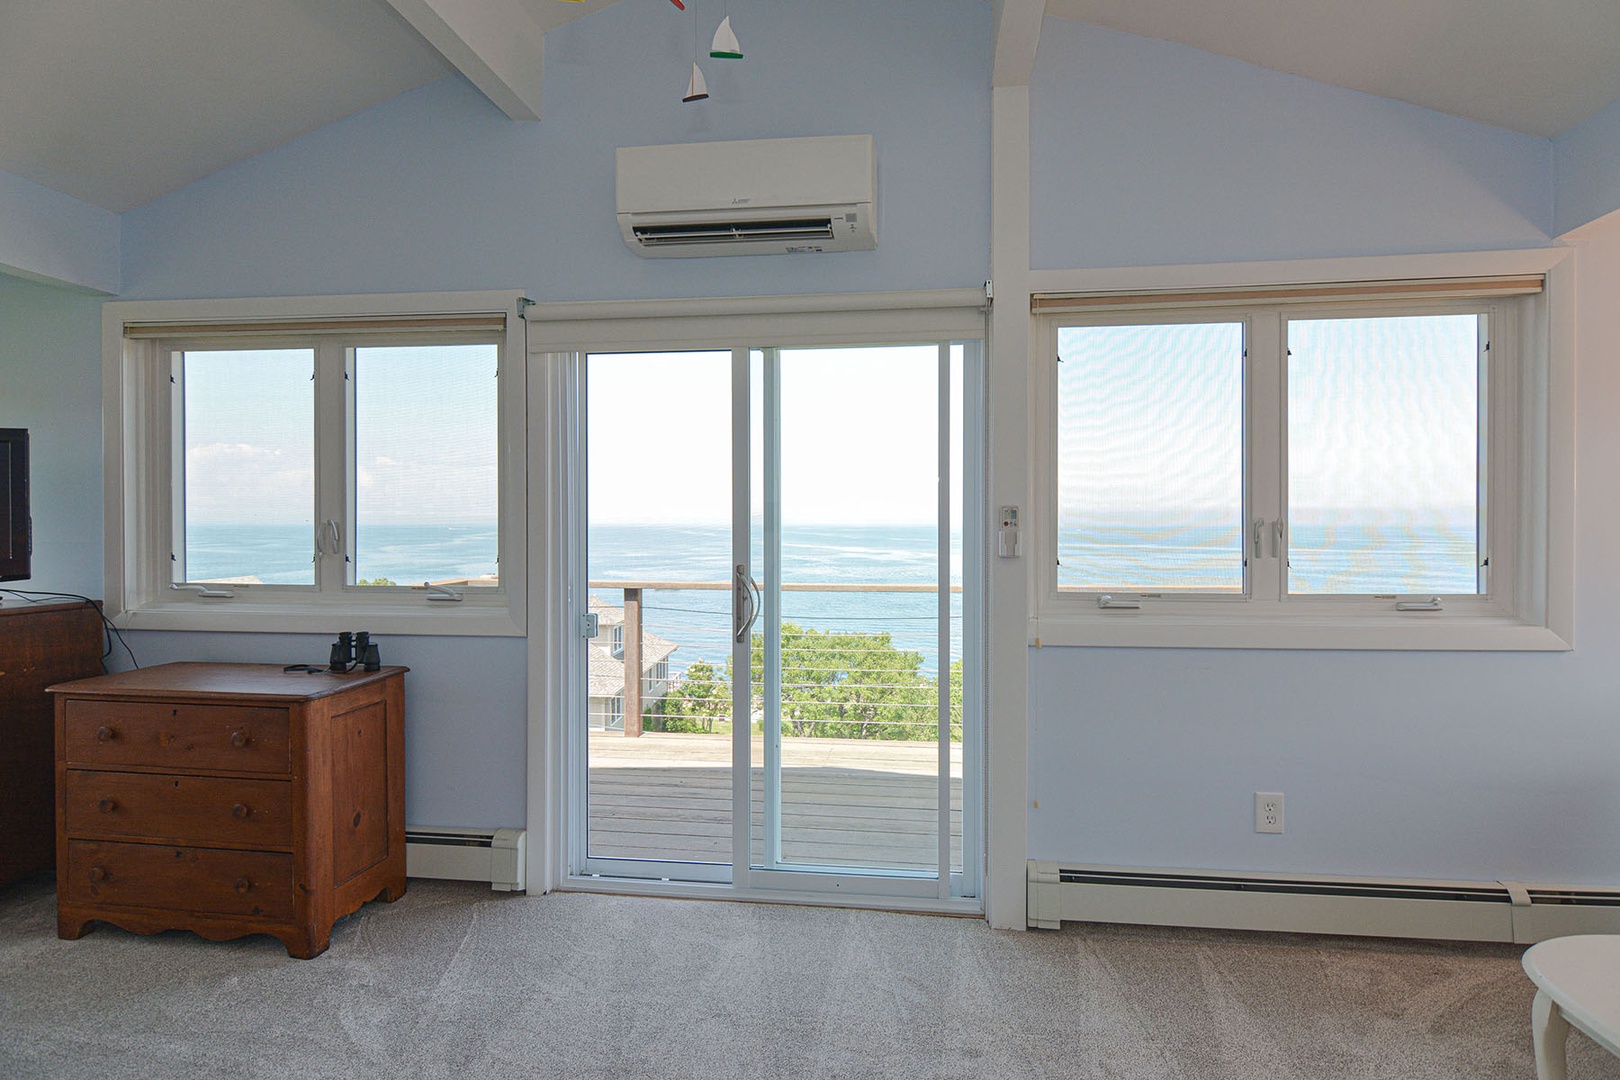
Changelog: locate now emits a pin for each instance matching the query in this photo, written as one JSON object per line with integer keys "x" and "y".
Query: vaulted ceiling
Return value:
{"x": 1535, "y": 66}
{"x": 117, "y": 104}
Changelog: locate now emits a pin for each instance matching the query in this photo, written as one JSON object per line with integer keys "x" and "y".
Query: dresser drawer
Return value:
{"x": 198, "y": 809}
{"x": 252, "y": 883}
{"x": 178, "y": 735}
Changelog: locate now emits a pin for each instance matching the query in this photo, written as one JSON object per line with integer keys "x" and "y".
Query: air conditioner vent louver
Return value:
{"x": 796, "y": 231}
{"x": 1578, "y": 897}
{"x": 748, "y": 197}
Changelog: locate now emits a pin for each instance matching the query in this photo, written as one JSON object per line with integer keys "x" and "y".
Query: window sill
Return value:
{"x": 421, "y": 617}
{"x": 1420, "y": 631}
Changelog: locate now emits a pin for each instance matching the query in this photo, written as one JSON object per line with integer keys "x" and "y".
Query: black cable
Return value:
{"x": 111, "y": 631}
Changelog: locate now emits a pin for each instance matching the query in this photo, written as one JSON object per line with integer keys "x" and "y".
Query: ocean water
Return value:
{"x": 1328, "y": 554}
{"x": 283, "y": 554}
{"x": 699, "y": 620}
{"x": 1344, "y": 555}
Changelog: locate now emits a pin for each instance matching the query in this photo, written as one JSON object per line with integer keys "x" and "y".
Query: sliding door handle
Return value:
{"x": 744, "y": 605}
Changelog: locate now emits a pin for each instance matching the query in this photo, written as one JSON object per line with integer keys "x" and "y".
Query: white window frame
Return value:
{"x": 1529, "y": 501}
{"x": 140, "y": 485}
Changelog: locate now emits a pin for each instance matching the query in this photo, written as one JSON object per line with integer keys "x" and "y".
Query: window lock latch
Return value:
{"x": 1431, "y": 604}
{"x": 1108, "y": 603}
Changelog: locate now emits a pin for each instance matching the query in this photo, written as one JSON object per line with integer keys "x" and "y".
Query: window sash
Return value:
{"x": 1265, "y": 594}
{"x": 143, "y": 500}
{"x": 333, "y": 538}
{"x": 1118, "y": 412}
{"x": 1469, "y": 385}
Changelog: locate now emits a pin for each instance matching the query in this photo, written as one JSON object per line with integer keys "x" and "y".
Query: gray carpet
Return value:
{"x": 455, "y": 980}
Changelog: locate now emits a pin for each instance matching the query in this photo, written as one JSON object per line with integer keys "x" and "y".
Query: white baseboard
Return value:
{"x": 1318, "y": 904}
{"x": 498, "y": 856}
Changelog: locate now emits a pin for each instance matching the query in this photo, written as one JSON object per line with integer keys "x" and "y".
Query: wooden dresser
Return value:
{"x": 229, "y": 799}
{"x": 40, "y": 644}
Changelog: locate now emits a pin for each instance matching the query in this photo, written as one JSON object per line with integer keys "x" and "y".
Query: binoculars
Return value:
{"x": 354, "y": 649}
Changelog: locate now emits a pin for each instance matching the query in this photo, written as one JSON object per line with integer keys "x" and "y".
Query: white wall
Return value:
{"x": 1435, "y": 765}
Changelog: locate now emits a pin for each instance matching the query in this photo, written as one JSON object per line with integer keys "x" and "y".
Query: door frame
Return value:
{"x": 560, "y": 335}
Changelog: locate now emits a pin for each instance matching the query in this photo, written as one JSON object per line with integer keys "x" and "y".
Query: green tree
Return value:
{"x": 702, "y": 697}
{"x": 841, "y": 684}
{"x": 956, "y": 701}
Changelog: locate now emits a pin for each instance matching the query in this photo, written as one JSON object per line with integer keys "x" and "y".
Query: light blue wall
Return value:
{"x": 1435, "y": 765}
{"x": 1444, "y": 765}
{"x": 465, "y": 761}
{"x": 1147, "y": 153}
{"x": 50, "y": 383}
{"x": 437, "y": 190}
{"x": 46, "y": 235}
{"x": 1587, "y": 159}
{"x": 1428, "y": 765}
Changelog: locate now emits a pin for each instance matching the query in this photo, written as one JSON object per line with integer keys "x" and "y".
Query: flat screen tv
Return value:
{"x": 16, "y": 528}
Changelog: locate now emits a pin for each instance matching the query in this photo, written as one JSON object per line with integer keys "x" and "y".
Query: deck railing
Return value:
{"x": 849, "y": 683}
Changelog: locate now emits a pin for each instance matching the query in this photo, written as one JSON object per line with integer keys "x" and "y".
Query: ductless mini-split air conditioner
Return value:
{"x": 749, "y": 197}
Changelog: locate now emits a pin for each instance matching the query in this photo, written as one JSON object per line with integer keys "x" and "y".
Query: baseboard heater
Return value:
{"x": 1508, "y": 911}
{"x": 498, "y": 856}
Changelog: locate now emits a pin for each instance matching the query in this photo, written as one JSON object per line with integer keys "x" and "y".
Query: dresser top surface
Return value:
{"x": 222, "y": 680}
{"x": 8, "y": 610}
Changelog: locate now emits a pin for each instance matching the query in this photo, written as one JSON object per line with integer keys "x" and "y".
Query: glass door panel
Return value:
{"x": 774, "y": 540}
{"x": 847, "y": 657}
{"x": 658, "y": 545}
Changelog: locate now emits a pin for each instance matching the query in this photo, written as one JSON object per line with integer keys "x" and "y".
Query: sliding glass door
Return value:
{"x": 775, "y": 636}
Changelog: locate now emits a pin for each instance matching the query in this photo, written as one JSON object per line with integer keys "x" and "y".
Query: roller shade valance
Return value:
{"x": 471, "y": 322}
{"x": 1324, "y": 292}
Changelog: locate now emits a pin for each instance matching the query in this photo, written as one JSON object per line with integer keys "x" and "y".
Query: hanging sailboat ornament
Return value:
{"x": 725, "y": 45}
{"x": 696, "y": 89}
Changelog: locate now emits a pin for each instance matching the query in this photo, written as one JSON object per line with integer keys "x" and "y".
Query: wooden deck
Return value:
{"x": 845, "y": 802}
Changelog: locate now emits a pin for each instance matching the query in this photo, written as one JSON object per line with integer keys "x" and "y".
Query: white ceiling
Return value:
{"x": 1536, "y": 66}
{"x": 117, "y": 104}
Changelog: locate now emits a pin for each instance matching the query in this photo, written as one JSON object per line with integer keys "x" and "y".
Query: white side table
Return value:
{"x": 1577, "y": 983}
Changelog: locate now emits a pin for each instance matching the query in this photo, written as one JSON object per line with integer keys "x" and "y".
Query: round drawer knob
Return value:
{"x": 107, "y": 806}
{"x": 104, "y": 734}
{"x": 242, "y": 885}
{"x": 240, "y": 812}
{"x": 239, "y": 739}
{"x": 97, "y": 874}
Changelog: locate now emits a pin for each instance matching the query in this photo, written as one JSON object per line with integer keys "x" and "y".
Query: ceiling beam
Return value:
{"x": 495, "y": 43}
{"x": 1018, "y": 31}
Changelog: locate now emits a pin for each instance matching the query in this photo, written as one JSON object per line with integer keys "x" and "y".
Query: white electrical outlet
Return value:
{"x": 1268, "y": 811}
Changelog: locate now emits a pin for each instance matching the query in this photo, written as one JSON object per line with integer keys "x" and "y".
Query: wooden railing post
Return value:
{"x": 632, "y": 663}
